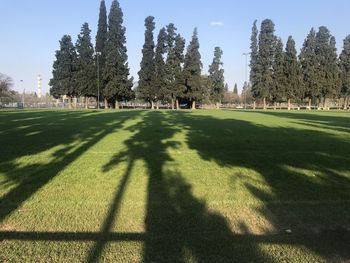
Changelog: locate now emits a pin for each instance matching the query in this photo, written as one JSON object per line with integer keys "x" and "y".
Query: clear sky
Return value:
{"x": 30, "y": 30}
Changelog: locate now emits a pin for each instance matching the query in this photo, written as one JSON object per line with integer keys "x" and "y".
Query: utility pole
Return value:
{"x": 246, "y": 79}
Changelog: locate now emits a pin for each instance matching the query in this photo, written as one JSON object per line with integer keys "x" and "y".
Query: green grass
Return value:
{"x": 204, "y": 186}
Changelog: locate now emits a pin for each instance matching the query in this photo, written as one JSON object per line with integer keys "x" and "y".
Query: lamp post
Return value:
{"x": 98, "y": 79}
{"x": 246, "y": 79}
{"x": 24, "y": 92}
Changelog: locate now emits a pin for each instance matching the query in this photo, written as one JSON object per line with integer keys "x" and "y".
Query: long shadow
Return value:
{"x": 179, "y": 227}
{"x": 142, "y": 146}
{"x": 104, "y": 235}
{"x": 62, "y": 130}
{"x": 306, "y": 170}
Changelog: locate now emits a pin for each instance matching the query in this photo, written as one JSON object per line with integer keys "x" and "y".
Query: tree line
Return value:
{"x": 171, "y": 74}
{"x": 316, "y": 74}
{"x": 167, "y": 74}
{"x": 78, "y": 68}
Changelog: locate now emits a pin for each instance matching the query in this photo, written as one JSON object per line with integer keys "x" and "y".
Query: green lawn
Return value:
{"x": 204, "y": 186}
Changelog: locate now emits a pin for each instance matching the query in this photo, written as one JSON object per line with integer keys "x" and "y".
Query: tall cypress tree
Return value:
{"x": 64, "y": 68}
{"x": 345, "y": 71}
{"x": 279, "y": 80}
{"x": 267, "y": 42}
{"x": 170, "y": 67}
{"x": 255, "y": 73}
{"x": 101, "y": 39}
{"x": 327, "y": 71}
{"x": 101, "y": 36}
{"x": 146, "y": 74}
{"x": 308, "y": 60}
{"x": 235, "y": 89}
{"x": 116, "y": 73}
{"x": 159, "y": 64}
{"x": 192, "y": 71}
{"x": 178, "y": 87}
{"x": 216, "y": 77}
{"x": 85, "y": 76}
{"x": 292, "y": 69}
{"x": 334, "y": 72}
{"x": 174, "y": 72}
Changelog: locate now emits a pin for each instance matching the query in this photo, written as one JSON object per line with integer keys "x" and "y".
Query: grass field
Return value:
{"x": 204, "y": 186}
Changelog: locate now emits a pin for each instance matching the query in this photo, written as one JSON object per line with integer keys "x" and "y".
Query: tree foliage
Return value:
{"x": 146, "y": 87}
{"x": 175, "y": 81}
{"x": 345, "y": 67}
{"x": 116, "y": 72}
{"x": 5, "y": 85}
{"x": 327, "y": 71}
{"x": 293, "y": 85}
{"x": 267, "y": 43}
{"x": 85, "y": 76}
{"x": 216, "y": 77}
{"x": 192, "y": 71}
{"x": 159, "y": 67}
{"x": 101, "y": 36}
{"x": 64, "y": 69}
{"x": 235, "y": 89}
{"x": 278, "y": 91}
{"x": 308, "y": 60}
{"x": 171, "y": 61}
{"x": 101, "y": 40}
{"x": 254, "y": 61}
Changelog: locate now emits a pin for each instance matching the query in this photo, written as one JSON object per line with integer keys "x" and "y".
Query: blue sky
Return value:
{"x": 30, "y": 30}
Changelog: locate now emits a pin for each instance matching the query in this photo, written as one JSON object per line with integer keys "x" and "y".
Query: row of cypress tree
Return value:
{"x": 281, "y": 75}
{"x": 167, "y": 74}
{"x": 78, "y": 67}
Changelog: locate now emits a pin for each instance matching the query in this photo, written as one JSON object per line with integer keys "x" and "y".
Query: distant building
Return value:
{"x": 40, "y": 85}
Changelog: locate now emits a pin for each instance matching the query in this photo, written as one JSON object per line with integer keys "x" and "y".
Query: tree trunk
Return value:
{"x": 346, "y": 99}
{"x": 75, "y": 102}
{"x": 218, "y": 105}
{"x": 70, "y": 106}
{"x": 254, "y": 105}
{"x": 116, "y": 104}
{"x": 264, "y": 103}
{"x": 177, "y": 104}
{"x": 152, "y": 105}
{"x": 325, "y": 104}
{"x": 157, "y": 105}
{"x": 310, "y": 102}
{"x": 289, "y": 106}
{"x": 172, "y": 103}
{"x": 193, "y": 105}
{"x": 106, "y": 104}
{"x": 86, "y": 103}
{"x": 275, "y": 105}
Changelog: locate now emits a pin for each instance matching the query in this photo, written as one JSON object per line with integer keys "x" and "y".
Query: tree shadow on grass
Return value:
{"x": 59, "y": 129}
{"x": 179, "y": 227}
{"x": 307, "y": 172}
